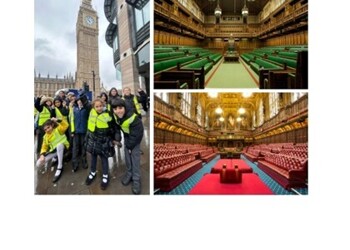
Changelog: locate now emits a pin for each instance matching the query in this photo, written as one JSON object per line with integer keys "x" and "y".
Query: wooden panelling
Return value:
{"x": 290, "y": 39}
{"x": 163, "y": 136}
{"x": 294, "y": 136}
{"x": 162, "y": 37}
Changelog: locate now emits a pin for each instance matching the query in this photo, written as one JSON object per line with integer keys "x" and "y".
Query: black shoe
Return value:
{"x": 126, "y": 179}
{"x": 136, "y": 187}
{"x": 104, "y": 184}
{"x": 90, "y": 178}
{"x": 75, "y": 168}
{"x": 57, "y": 177}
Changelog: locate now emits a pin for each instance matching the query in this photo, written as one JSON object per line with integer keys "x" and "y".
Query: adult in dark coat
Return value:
{"x": 143, "y": 99}
{"x": 131, "y": 102}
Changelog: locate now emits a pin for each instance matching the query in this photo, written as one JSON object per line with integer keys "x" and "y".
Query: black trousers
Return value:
{"x": 78, "y": 149}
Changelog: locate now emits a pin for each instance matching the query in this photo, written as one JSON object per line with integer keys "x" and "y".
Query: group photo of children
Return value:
{"x": 86, "y": 145}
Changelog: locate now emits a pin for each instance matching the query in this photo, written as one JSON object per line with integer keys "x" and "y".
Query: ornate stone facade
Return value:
{"x": 48, "y": 86}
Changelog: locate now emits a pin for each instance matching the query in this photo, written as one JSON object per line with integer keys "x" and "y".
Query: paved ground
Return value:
{"x": 74, "y": 183}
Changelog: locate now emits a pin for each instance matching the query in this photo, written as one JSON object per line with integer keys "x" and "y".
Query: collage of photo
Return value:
{"x": 171, "y": 97}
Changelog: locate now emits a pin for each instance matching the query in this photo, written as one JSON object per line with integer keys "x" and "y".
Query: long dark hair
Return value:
{"x": 110, "y": 92}
{"x": 105, "y": 95}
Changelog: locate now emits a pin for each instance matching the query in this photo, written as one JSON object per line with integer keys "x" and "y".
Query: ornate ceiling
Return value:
{"x": 231, "y": 7}
{"x": 230, "y": 103}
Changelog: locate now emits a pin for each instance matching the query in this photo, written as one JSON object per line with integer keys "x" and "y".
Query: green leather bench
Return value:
{"x": 248, "y": 57}
{"x": 293, "y": 55}
{"x": 215, "y": 57}
{"x": 199, "y": 64}
{"x": 289, "y": 62}
{"x": 169, "y": 55}
{"x": 259, "y": 63}
{"x": 167, "y": 64}
{"x": 162, "y": 50}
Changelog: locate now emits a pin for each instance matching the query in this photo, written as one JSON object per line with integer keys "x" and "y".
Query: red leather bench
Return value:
{"x": 170, "y": 177}
{"x": 289, "y": 172}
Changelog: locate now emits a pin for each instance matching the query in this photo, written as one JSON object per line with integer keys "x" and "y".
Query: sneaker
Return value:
{"x": 104, "y": 182}
{"x": 90, "y": 178}
{"x": 126, "y": 179}
{"x": 136, "y": 187}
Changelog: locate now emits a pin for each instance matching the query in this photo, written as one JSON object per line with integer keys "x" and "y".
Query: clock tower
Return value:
{"x": 88, "y": 67}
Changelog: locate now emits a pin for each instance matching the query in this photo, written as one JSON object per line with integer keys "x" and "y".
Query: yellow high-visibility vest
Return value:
{"x": 44, "y": 116}
{"x": 59, "y": 115}
{"x": 71, "y": 119}
{"x": 125, "y": 126}
{"x": 56, "y": 139}
{"x": 137, "y": 105}
{"x": 98, "y": 120}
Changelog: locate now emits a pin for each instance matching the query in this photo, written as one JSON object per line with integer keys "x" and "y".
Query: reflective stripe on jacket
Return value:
{"x": 50, "y": 141}
{"x": 125, "y": 126}
{"x": 98, "y": 120}
{"x": 44, "y": 116}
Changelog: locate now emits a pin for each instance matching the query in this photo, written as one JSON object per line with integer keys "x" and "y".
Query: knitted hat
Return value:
{"x": 44, "y": 99}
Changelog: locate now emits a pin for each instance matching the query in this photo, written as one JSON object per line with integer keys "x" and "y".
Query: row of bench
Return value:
{"x": 287, "y": 164}
{"x": 279, "y": 68}
{"x": 185, "y": 72}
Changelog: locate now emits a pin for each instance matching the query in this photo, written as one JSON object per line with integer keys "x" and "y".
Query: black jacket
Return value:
{"x": 129, "y": 103}
{"x": 99, "y": 141}
{"x": 135, "y": 135}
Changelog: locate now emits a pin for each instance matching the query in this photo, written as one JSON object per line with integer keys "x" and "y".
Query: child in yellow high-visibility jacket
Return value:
{"x": 54, "y": 144}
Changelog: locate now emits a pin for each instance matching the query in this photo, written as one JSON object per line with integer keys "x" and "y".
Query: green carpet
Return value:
{"x": 230, "y": 75}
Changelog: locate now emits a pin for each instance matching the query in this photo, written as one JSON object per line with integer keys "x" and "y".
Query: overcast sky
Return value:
{"x": 55, "y": 39}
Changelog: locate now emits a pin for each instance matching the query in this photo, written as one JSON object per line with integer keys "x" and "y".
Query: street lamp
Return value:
{"x": 93, "y": 80}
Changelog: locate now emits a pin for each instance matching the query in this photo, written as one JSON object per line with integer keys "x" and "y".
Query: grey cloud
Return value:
{"x": 57, "y": 20}
{"x": 43, "y": 46}
{"x": 52, "y": 66}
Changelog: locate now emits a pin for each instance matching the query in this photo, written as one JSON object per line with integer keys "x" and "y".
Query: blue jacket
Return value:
{"x": 81, "y": 117}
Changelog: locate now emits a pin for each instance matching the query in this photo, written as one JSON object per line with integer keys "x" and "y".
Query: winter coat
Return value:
{"x": 79, "y": 119}
{"x": 99, "y": 142}
{"x": 132, "y": 137}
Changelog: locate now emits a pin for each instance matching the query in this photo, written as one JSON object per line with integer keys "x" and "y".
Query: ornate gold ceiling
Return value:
{"x": 230, "y": 103}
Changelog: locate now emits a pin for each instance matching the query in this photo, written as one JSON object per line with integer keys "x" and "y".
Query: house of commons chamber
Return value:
{"x": 254, "y": 44}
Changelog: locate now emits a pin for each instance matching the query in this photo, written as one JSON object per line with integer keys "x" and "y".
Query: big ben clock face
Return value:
{"x": 89, "y": 20}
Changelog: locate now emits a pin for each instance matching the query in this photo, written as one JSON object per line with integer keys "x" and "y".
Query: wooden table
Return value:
{"x": 231, "y": 58}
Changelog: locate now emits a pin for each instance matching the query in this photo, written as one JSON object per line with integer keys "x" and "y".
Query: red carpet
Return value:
{"x": 210, "y": 184}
